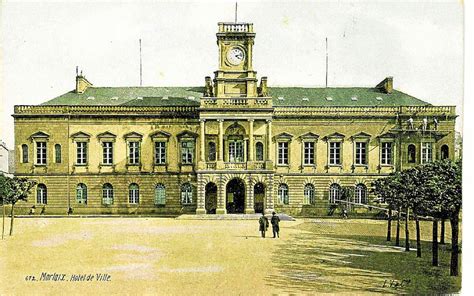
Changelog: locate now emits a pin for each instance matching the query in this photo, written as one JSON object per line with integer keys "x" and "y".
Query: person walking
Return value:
{"x": 275, "y": 225}
{"x": 263, "y": 222}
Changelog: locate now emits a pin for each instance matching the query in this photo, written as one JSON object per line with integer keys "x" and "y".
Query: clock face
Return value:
{"x": 235, "y": 56}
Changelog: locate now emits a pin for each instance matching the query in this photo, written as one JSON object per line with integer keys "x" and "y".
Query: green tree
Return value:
{"x": 444, "y": 187}
{"x": 16, "y": 189}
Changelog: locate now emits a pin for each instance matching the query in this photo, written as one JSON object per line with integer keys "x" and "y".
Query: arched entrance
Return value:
{"x": 211, "y": 198}
{"x": 259, "y": 197}
{"x": 235, "y": 196}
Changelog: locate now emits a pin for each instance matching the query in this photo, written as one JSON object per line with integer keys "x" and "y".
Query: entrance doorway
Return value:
{"x": 211, "y": 198}
{"x": 235, "y": 196}
{"x": 259, "y": 197}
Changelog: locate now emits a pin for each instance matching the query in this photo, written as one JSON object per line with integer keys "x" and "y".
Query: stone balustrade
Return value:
{"x": 235, "y": 27}
{"x": 236, "y": 102}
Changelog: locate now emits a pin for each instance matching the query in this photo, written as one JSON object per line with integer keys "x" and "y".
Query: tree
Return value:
{"x": 386, "y": 192}
{"x": 16, "y": 189}
{"x": 445, "y": 186}
{"x": 5, "y": 184}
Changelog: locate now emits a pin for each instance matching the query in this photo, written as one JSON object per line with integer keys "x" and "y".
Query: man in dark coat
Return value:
{"x": 275, "y": 225}
{"x": 263, "y": 222}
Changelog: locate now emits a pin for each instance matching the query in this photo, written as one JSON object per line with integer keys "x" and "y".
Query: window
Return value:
{"x": 81, "y": 153}
{"x": 133, "y": 192}
{"x": 411, "y": 153}
{"x": 360, "y": 153}
{"x": 211, "y": 151}
{"x": 57, "y": 153}
{"x": 40, "y": 152}
{"x": 444, "y": 152}
{"x": 308, "y": 153}
{"x": 309, "y": 194}
{"x": 283, "y": 196}
{"x": 334, "y": 153}
{"x": 186, "y": 194}
{"x": 360, "y": 195}
{"x": 160, "y": 152}
{"x": 24, "y": 153}
{"x": 160, "y": 194}
{"x": 107, "y": 194}
{"x": 259, "y": 151}
{"x": 107, "y": 153}
{"x": 81, "y": 193}
{"x": 187, "y": 152}
{"x": 41, "y": 194}
{"x": 134, "y": 153}
{"x": 334, "y": 193}
{"x": 426, "y": 152}
{"x": 386, "y": 153}
{"x": 283, "y": 153}
{"x": 236, "y": 151}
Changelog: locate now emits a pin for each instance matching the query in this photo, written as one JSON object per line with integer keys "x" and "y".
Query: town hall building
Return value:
{"x": 233, "y": 145}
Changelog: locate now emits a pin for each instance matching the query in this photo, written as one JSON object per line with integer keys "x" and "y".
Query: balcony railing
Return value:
{"x": 235, "y": 165}
{"x": 236, "y": 27}
{"x": 259, "y": 165}
{"x": 259, "y": 102}
{"x": 211, "y": 165}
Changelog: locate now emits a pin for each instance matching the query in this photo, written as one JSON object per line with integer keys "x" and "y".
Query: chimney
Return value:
{"x": 81, "y": 83}
{"x": 262, "y": 89}
{"x": 386, "y": 85}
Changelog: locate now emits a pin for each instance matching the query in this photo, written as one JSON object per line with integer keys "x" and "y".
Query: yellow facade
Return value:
{"x": 232, "y": 146}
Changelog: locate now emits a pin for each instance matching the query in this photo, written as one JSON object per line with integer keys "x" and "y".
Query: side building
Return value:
{"x": 232, "y": 146}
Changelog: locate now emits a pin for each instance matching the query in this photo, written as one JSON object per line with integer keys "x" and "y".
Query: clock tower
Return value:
{"x": 235, "y": 76}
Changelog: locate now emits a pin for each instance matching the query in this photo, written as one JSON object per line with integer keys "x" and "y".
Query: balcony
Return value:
{"x": 235, "y": 165}
{"x": 236, "y": 102}
{"x": 235, "y": 27}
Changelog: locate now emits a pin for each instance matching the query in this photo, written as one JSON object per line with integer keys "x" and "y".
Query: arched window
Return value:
{"x": 360, "y": 195}
{"x": 41, "y": 194}
{"x": 444, "y": 152}
{"x": 57, "y": 153}
{"x": 259, "y": 151}
{"x": 334, "y": 193}
{"x": 283, "y": 194}
{"x": 133, "y": 193}
{"x": 81, "y": 193}
{"x": 186, "y": 194}
{"x": 107, "y": 194}
{"x": 160, "y": 194}
{"x": 309, "y": 194}
{"x": 24, "y": 153}
{"x": 212, "y": 151}
{"x": 411, "y": 153}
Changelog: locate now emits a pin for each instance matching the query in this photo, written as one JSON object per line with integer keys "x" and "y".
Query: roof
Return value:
{"x": 340, "y": 96}
{"x": 189, "y": 96}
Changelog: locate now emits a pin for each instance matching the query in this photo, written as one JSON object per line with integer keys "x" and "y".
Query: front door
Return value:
{"x": 235, "y": 196}
{"x": 211, "y": 198}
{"x": 259, "y": 197}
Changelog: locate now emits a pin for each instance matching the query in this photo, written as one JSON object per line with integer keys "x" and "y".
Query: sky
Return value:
{"x": 420, "y": 44}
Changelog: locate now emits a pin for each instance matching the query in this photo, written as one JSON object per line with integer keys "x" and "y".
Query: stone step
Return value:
{"x": 283, "y": 217}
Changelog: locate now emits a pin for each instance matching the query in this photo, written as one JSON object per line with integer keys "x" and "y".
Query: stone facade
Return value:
{"x": 232, "y": 146}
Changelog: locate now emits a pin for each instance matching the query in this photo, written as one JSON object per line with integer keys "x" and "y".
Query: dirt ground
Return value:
{"x": 138, "y": 256}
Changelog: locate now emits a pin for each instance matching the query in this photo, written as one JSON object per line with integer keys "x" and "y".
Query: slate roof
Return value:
{"x": 189, "y": 96}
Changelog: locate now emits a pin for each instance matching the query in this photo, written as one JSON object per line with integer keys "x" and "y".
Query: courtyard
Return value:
{"x": 210, "y": 257}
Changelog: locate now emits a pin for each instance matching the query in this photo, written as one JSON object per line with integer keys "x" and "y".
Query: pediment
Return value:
{"x": 335, "y": 136}
{"x": 80, "y": 135}
{"x": 133, "y": 135}
{"x": 186, "y": 134}
{"x": 361, "y": 135}
{"x": 39, "y": 135}
{"x": 160, "y": 134}
{"x": 309, "y": 135}
{"x": 284, "y": 135}
{"x": 106, "y": 135}
{"x": 387, "y": 135}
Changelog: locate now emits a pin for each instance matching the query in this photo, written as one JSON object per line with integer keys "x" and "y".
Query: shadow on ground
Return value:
{"x": 321, "y": 260}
